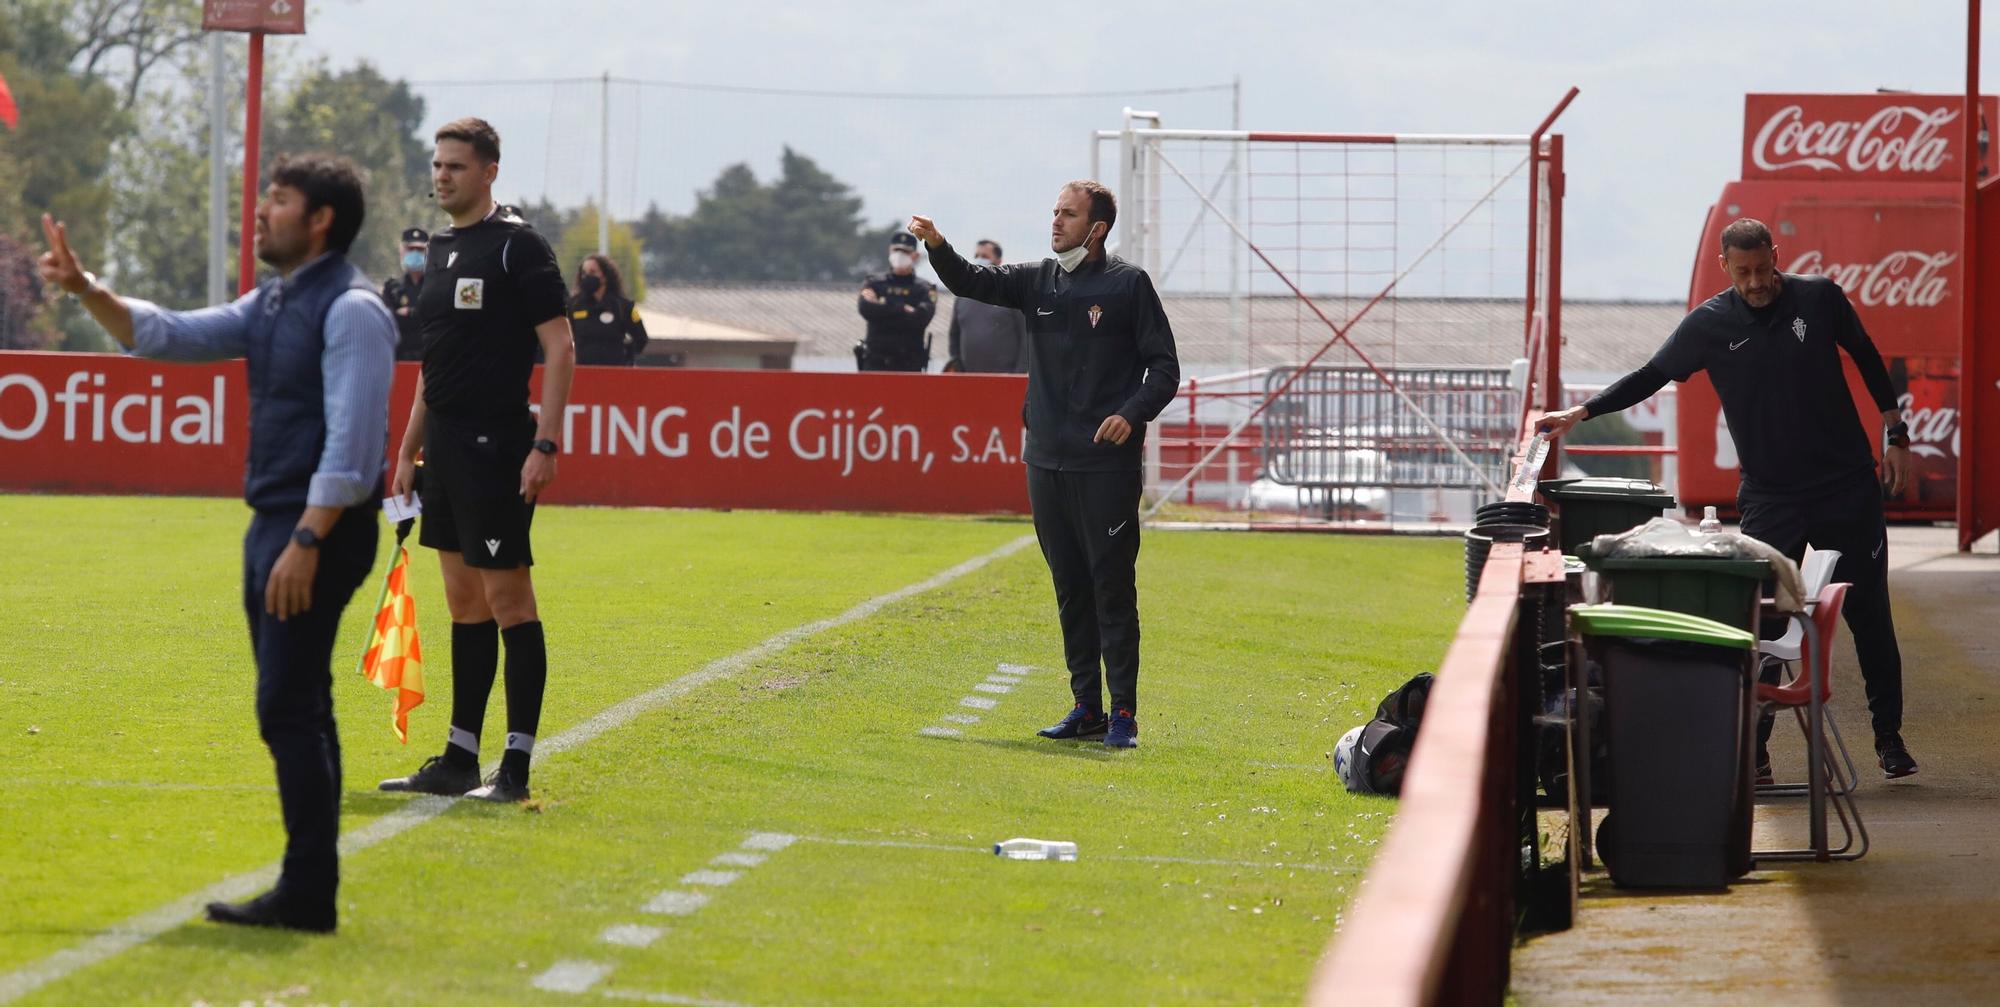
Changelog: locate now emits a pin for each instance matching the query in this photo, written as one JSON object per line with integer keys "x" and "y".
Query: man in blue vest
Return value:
{"x": 321, "y": 352}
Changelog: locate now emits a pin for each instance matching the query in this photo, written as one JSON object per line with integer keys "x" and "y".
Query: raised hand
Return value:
{"x": 925, "y": 230}
{"x": 58, "y": 265}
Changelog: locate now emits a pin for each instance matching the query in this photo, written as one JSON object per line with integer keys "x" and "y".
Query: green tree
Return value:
{"x": 805, "y": 225}
{"x": 1610, "y": 428}
{"x": 580, "y": 239}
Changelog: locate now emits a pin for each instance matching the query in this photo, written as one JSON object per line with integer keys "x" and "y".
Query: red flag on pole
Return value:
{"x": 9, "y": 114}
{"x": 393, "y": 659}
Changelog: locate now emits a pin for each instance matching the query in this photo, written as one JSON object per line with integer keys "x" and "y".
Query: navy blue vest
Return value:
{"x": 287, "y": 385}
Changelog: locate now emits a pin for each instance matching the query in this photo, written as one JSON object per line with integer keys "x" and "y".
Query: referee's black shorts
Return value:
{"x": 472, "y": 490}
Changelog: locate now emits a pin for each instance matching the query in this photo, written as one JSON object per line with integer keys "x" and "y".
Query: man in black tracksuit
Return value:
{"x": 1771, "y": 344}
{"x": 1101, "y": 365}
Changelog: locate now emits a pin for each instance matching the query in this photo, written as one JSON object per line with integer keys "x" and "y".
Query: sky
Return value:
{"x": 1652, "y": 138}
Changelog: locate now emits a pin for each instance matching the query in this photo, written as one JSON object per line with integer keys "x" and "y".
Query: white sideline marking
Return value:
{"x": 1004, "y": 679}
{"x": 960, "y": 718}
{"x": 572, "y": 976}
{"x": 631, "y": 935}
{"x": 979, "y": 702}
{"x": 675, "y": 903}
{"x": 737, "y": 859}
{"x": 667, "y": 998}
{"x": 1195, "y": 861}
{"x": 770, "y": 842}
{"x": 1012, "y": 669}
{"x": 990, "y": 687}
{"x": 714, "y": 879}
{"x": 941, "y": 732}
{"x": 128, "y": 933}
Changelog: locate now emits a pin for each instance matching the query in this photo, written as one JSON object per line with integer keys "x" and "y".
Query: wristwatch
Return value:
{"x": 305, "y": 538}
{"x": 1897, "y": 436}
{"x": 547, "y": 447}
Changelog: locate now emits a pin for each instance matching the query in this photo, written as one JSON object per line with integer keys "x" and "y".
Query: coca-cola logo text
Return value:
{"x": 1932, "y": 430}
{"x": 1903, "y": 279}
{"x": 1897, "y": 138}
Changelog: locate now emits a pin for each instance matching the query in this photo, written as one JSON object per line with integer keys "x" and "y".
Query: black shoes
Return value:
{"x": 1894, "y": 759}
{"x": 501, "y": 788}
{"x": 272, "y": 910}
{"x": 1082, "y": 722}
{"x": 1124, "y": 731}
{"x": 436, "y": 776}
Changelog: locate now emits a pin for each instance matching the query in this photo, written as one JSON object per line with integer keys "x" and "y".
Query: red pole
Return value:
{"x": 253, "y": 124}
{"x": 1968, "y": 370}
{"x": 1552, "y": 341}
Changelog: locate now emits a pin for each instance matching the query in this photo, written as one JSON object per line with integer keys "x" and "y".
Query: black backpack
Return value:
{"x": 1383, "y": 750}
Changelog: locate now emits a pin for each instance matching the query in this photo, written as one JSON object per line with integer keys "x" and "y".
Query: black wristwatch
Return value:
{"x": 305, "y": 538}
{"x": 1897, "y": 436}
{"x": 547, "y": 447}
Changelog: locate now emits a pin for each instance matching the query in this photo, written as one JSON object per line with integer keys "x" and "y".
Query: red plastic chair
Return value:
{"x": 1796, "y": 695}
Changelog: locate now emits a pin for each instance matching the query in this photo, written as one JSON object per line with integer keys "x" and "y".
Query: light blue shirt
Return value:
{"x": 359, "y": 363}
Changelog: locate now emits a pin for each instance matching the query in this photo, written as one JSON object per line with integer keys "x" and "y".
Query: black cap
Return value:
{"x": 903, "y": 239}
{"x": 416, "y": 236}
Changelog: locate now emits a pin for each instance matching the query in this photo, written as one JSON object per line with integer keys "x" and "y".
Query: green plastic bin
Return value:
{"x": 1728, "y": 591}
{"x": 1589, "y": 507}
{"x": 1677, "y": 692}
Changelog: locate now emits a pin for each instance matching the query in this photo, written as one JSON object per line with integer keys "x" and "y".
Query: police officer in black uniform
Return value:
{"x": 609, "y": 331}
{"x": 1101, "y": 367}
{"x": 898, "y": 306}
{"x": 400, "y": 294}
{"x": 492, "y": 295}
{"x": 1772, "y": 344}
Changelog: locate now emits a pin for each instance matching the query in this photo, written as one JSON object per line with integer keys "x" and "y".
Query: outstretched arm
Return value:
{"x": 1007, "y": 286}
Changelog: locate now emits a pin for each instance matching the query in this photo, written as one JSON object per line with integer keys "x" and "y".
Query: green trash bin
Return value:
{"x": 1728, "y": 591}
{"x": 1589, "y": 507}
{"x": 1677, "y": 692}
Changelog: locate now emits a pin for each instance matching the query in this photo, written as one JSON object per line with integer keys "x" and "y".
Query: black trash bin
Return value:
{"x": 1677, "y": 701}
{"x": 1587, "y": 508}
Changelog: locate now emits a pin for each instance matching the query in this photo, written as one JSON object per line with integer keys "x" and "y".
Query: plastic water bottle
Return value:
{"x": 1036, "y": 849}
{"x": 1709, "y": 522}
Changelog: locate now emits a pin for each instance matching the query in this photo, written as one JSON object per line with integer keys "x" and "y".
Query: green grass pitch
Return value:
{"x": 1215, "y": 859}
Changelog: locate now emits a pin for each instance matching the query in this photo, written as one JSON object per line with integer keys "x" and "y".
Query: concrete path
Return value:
{"x": 1914, "y": 923}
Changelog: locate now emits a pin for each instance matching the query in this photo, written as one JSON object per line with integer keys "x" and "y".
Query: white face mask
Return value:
{"x": 1073, "y": 258}
{"x": 900, "y": 259}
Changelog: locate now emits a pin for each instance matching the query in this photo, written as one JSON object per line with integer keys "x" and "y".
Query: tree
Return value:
{"x": 20, "y": 298}
{"x": 581, "y": 240}
{"x": 1610, "y": 429}
{"x": 806, "y": 225}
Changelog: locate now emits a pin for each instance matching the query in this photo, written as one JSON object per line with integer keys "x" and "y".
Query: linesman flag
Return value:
{"x": 393, "y": 659}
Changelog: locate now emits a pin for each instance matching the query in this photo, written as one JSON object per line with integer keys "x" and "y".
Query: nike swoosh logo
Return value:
{"x": 1121, "y": 527}
{"x": 1736, "y": 344}
{"x": 1042, "y": 311}
{"x": 1877, "y": 554}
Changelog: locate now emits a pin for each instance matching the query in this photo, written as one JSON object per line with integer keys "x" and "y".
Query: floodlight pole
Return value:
{"x": 253, "y": 124}
{"x": 604, "y": 167}
{"x": 218, "y": 178}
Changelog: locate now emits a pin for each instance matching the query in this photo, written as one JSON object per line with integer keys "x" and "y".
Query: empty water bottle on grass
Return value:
{"x": 1036, "y": 849}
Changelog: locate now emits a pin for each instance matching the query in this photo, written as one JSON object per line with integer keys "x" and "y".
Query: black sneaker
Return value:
{"x": 436, "y": 776}
{"x": 1082, "y": 722}
{"x": 1894, "y": 759}
{"x": 1124, "y": 731}
{"x": 270, "y": 910}
{"x": 501, "y": 788}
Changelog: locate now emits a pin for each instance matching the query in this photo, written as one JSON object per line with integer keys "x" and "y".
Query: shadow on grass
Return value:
{"x": 1091, "y": 750}
{"x": 248, "y": 940}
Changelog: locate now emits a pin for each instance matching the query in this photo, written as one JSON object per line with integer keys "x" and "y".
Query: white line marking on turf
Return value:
{"x": 960, "y": 718}
{"x": 990, "y": 687}
{"x": 979, "y": 702}
{"x": 1004, "y": 679}
{"x": 631, "y": 935}
{"x": 770, "y": 842}
{"x": 1123, "y": 858}
{"x": 572, "y": 976}
{"x": 1013, "y": 669}
{"x": 666, "y": 998}
{"x": 714, "y": 879}
{"x": 675, "y": 903}
{"x": 941, "y": 732}
{"x": 737, "y": 859}
{"x": 128, "y": 933}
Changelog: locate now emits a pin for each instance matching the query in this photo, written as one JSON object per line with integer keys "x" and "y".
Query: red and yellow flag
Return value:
{"x": 393, "y": 659}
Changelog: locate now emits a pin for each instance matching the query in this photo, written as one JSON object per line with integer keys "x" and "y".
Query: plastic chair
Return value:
{"x": 1815, "y": 574}
{"x": 1799, "y": 695}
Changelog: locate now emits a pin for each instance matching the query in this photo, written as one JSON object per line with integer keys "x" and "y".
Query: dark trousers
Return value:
{"x": 295, "y": 690}
{"x": 1088, "y": 526}
{"x": 1847, "y": 517}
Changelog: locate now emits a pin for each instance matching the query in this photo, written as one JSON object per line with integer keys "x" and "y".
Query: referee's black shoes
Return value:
{"x": 1893, "y": 757}
{"x": 1082, "y": 722}
{"x": 436, "y": 776}
{"x": 501, "y": 788}
{"x": 273, "y": 910}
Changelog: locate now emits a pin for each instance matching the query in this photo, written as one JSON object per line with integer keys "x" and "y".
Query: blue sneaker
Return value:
{"x": 1124, "y": 731}
{"x": 1082, "y": 722}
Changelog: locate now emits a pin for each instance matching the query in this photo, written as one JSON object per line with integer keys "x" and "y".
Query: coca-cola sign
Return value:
{"x": 1854, "y": 137}
{"x": 1907, "y": 278}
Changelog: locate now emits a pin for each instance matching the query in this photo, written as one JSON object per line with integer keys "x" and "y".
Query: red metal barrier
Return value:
{"x": 91, "y": 423}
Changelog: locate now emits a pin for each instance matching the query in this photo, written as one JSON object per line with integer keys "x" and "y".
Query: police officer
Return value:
{"x": 899, "y": 307}
{"x": 1103, "y": 365}
{"x": 1771, "y": 342}
{"x": 400, "y": 294}
{"x": 609, "y": 331}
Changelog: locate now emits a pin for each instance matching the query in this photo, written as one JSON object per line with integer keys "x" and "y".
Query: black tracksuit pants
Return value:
{"x": 1847, "y": 517}
{"x": 295, "y": 691}
{"x": 1088, "y": 527}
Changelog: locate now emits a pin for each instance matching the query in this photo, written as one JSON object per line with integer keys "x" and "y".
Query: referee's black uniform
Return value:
{"x": 1100, "y": 345}
{"x": 1808, "y": 474}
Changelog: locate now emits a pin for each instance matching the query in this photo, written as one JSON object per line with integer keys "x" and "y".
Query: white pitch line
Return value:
{"x": 631, "y": 935}
{"x": 713, "y": 879}
{"x": 960, "y": 718}
{"x": 941, "y": 732}
{"x": 1004, "y": 679}
{"x": 979, "y": 702}
{"x": 674, "y": 903}
{"x": 572, "y": 976}
{"x": 737, "y": 859}
{"x": 129, "y": 933}
{"x": 770, "y": 842}
{"x": 990, "y": 687}
{"x": 1120, "y": 858}
{"x": 645, "y": 996}
{"x": 1013, "y": 669}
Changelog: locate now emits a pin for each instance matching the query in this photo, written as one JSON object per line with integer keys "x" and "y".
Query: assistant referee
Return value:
{"x": 492, "y": 295}
{"x": 1101, "y": 365}
{"x": 1771, "y": 343}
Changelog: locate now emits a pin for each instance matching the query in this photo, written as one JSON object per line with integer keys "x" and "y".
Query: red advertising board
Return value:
{"x": 88, "y": 423}
{"x": 272, "y": 17}
{"x": 1858, "y": 137}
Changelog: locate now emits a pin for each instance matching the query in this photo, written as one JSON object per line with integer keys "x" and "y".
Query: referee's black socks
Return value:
{"x": 475, "y": 659}
{"x": 527, "y": 677}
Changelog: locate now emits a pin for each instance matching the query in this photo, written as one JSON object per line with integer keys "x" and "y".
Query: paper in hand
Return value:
{"x": 397, "y": 510}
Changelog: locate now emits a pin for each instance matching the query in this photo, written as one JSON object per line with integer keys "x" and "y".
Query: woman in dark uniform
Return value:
{"x": 607, "y": 326}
